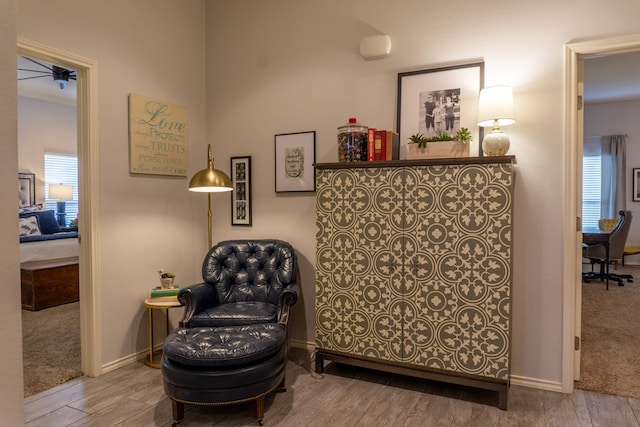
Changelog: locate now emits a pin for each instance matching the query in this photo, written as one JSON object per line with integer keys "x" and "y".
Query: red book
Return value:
{"x": 380, "y": 145}
{"x": 371, "y": 134}
{"x": 383, "y": 145}
{"x": 377, "y": 148}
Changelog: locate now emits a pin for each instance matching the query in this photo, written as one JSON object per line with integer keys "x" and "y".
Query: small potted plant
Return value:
{"x": 464, "y": 136}
{"x": 166, "y": 279}
{"x": 442, "y": 145}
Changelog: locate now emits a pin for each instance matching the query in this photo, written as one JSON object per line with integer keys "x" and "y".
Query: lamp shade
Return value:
{"x": 210, "y": 180}
{"x": 60, "y": 192}
{"x": 495, "y": 106}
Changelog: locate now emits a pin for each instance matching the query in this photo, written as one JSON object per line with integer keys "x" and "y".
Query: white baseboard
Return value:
{"x": 536, "y": 383}
{"x": 515, "y": 380}
{"x": 119, "y": 363}
{"x": 303, "y": 345}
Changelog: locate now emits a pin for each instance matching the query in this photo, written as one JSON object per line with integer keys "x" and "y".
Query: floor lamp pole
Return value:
{"x": 209, "y": 221}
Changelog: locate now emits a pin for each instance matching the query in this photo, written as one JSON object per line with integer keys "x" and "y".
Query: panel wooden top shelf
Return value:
{"x": 421, "y": 162}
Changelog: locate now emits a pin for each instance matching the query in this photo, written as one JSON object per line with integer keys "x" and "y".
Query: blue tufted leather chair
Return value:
{"x": 245, "y": 282}
{"x": 231, "y": 344}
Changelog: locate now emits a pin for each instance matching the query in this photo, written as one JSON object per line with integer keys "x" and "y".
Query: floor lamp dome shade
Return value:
{"x": 210, "y": 180}
{"x": 495, "y": 108}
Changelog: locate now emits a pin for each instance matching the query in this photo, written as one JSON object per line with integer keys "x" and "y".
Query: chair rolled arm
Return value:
{"x": 195, "y": 298}
{"x": 287, "y": 299}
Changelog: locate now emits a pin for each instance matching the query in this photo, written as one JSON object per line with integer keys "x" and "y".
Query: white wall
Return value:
{"x": 152, "y": 48}
{"x": 11, "y": 390}
{"x": 289, "y": 65}
{"x": 44, "y": 126}
{"x": 616, "y": 118}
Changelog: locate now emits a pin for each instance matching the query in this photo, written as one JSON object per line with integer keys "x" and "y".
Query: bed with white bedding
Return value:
{"x": 48, "y": 253}
{"x": 64, "y": 245}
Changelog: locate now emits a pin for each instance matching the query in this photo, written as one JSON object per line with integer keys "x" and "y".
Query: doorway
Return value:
{"x": 47, "y": 150}
{"x": 86, "y": 106}
{"x": 575, "y": 54}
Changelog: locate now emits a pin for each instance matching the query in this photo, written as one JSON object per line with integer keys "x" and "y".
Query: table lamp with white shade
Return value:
{"x": 62, "y": 193}
{"x": 495, "y": 108}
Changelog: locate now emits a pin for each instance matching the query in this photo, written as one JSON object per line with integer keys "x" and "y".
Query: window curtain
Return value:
{"x": 614, "y": 183}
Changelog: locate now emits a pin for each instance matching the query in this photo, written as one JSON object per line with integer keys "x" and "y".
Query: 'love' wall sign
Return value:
{"x": 157, "y": 137}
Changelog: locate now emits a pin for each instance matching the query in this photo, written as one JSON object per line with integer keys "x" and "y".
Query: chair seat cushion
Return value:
{"x": 631, "y": 249}
{"x": 236, "y": 313}
{"x": 224, "y": 346}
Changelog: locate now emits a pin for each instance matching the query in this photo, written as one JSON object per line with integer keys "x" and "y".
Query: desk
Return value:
{"x": 595, "y": 236}
{"x": 159, "y": 303}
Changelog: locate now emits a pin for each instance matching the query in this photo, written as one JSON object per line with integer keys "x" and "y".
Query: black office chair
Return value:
{"x": 597, "y": 254}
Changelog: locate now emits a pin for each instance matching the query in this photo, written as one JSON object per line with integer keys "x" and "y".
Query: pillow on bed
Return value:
{"x": 33, "y": 208}
{"x": 28, "y": 226}
{"x": 46, "y": 220}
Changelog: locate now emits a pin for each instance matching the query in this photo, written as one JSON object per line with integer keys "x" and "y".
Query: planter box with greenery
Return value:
{"x": 440, "y": 146}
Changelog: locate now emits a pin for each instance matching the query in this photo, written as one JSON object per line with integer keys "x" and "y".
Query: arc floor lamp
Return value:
{"x": 209, "y": 181}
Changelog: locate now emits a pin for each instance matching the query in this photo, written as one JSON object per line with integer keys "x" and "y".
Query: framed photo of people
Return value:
{"x": 442, "y": 99}
{"x": 241, "y": 194}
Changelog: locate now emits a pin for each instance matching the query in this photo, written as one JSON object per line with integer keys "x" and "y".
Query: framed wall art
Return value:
{"x": 295, "y": 156}
{"x": 157, "y": 137}
{"x": 442, "y": 99}
{"x": 241, "y": 194}
{"x": 636, "y": 184}
{"x": 26, "y": 189}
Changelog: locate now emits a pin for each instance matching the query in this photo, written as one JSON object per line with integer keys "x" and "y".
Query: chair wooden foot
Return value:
{"x": 178, "y": 412}
{"x": 258, "y": 409}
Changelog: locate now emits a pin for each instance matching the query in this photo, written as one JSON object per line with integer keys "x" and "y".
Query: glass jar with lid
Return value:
{"x": 352, "y": 142}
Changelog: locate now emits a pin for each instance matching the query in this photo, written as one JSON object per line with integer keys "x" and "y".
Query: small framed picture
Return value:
{"x": 241, "y": 194}
{"x": 636, "y": 184}
{"x": 295, "y": 156}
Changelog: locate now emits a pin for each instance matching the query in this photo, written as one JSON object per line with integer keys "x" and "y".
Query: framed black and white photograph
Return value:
{"x": 295, "y": 156}
{"x": 442, "y": 99}
{"x": 241, "y": 194}
{"x": 636, "y": 184}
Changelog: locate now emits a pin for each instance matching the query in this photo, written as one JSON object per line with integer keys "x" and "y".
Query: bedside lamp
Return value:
{"x": 61, "y": 193}
{"x": 495, "y": 108}
{"x": 209, "y": 181}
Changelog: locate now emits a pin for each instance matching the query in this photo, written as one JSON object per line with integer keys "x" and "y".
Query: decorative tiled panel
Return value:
{"x": 359, "y": 248}
{"x": 413, "y": 265}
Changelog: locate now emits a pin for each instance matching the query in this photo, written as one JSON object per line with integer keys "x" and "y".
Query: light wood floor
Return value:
{"x": 344, "y": 396}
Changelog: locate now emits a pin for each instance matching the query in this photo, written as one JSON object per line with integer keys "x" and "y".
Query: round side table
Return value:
{"x": 158, "y": 303}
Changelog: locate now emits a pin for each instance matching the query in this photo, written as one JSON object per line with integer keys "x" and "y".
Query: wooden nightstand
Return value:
{"x": 159, "y": 303}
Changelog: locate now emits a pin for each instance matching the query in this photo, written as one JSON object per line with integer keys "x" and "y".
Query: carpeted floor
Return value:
{"x": 51, "y": 347}
{"x": 610, "y": 356}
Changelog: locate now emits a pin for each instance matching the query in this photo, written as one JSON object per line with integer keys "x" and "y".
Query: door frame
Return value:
{"x": 572, "y": 200}
{"x": 87, "y": 120}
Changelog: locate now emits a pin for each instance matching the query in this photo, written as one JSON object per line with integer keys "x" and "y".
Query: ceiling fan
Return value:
{"x": 60, "y": 75}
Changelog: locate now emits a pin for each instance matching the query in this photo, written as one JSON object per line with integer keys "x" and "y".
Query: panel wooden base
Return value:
{"x": 502, "y": 387}
{"x": 49, "y": 283}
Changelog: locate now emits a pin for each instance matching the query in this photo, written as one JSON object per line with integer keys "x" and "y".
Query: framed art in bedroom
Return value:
{"x": 26, "y": 189}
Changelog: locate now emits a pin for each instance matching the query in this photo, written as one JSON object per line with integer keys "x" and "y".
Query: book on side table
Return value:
{"x": 159, "y": 292}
